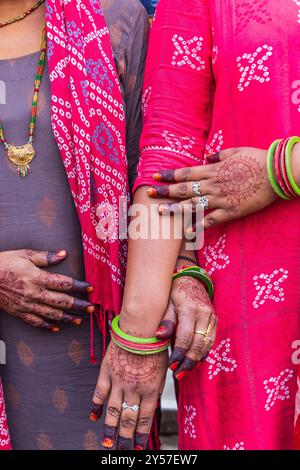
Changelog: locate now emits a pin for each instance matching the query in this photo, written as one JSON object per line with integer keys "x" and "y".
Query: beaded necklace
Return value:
{"x": 21, "y": 17}
{"x": 22, "y": 155}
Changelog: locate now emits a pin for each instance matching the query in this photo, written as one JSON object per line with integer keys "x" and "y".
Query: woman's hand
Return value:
{"x": 235, "y": 184}
{"x": 135, "y": 380}
{"x": 190, "y": 308}
{"x": 38, "y": 297}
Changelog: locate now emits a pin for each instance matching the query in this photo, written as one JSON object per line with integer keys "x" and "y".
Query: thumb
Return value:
{"x": 167, "y": 326}
{"x": 222, "y": 155}
{"x": 43, "y": 259}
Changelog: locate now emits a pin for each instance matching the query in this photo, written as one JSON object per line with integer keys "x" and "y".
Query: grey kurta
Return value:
{"x": 48, "y": 380}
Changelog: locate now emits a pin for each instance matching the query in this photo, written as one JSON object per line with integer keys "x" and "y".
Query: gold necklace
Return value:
{"x": 21, "y": 17}
{"x": 22, "y": 155}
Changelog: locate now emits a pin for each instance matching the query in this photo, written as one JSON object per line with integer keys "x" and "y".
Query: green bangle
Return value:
{"x": 199, "y": 273}
{"x": 270, "y": 158}
{"x": 288, "y": 154}
{"x": 138, "y": 351}
{"x": 133, "y": 339}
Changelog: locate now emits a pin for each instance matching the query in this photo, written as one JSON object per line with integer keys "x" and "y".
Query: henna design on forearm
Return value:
{"x": 134, "y": 369}
{"x": 194, "y": 290}
{"x": 240, "y": 178}
{"x": 11, "y": 289}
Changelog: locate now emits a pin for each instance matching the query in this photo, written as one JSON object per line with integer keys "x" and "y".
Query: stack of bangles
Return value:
{"x": 135, "y": 345}
{"x": 199, "y": 273}
{"x": 280, "y": 169}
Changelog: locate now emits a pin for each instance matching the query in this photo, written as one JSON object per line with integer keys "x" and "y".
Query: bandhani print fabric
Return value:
{"x": 223, "y": 74}
{"x": 89, "y": 127}
{"x": 4, "y": 434}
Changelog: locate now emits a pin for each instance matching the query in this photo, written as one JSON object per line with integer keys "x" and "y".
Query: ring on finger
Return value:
{"x": 135, "y": 408}
{"x": 203, "y": 202}
{"x": 196, "y": 189}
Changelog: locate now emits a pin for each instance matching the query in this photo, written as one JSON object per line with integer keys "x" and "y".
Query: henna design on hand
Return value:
{"x": 132, "y": 368}
{"x": 96, "y": 411}
{"x": 140, "y": 441}
{"x": 240, "y": 178}
{"x": 123, "y": 443}
{"x": 109, "y": 436}
{"x": 11, "y": 289}
{"x": 194, "y": 290}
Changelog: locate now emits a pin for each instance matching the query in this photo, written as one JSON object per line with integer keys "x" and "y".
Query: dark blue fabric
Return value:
{"x": 150, "y": 5}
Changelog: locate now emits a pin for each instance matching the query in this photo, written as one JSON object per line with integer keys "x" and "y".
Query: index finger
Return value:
{"x": 62, "y": 283}
{"x": 182, "y": 174}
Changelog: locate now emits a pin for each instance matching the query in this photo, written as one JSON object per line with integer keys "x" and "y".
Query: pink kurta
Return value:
{"x": 221, "y": 74}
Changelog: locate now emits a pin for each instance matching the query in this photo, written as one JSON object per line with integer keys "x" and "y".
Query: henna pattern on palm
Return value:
{"x": 132, "y": 368}
{"x": 11, "y": 289}
{"x": 240, "y": 178}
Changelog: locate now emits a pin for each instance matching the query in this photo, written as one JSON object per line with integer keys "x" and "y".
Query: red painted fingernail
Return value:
{"x": 161, "y": 329}
{"x": 55, "y": 329}
{"x": 174, "y": 365}
{"x": 107, "y": 443}
{"x": 157, "y": 177}
{"x": 180, "y": 375}
{"x": 89, "y": 289}
{"x": 138, "y": 448}
{"x": 61, "y": 253}
{"x": 152, "y": 192}
{"x": 90, "y": 309}
{"x": 77, "y": 321}
{"x": 94, "y": 417}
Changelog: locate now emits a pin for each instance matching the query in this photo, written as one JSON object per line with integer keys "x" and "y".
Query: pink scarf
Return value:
{"x": 89, "y": 127}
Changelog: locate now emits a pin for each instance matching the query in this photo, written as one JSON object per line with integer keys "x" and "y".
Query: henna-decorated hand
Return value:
{"x": 235, "y": 183}
{"x": 36, "y": 296}
{"x": 136, "y": 380}
{"x": 190, "y": 308}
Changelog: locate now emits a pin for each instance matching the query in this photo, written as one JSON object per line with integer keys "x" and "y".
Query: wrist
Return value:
{"x": 295, "y": 163}
{"x": 134, "y": 322}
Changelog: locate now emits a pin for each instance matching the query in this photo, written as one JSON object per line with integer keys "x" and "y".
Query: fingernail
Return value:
{"x": 161, "y": 330}
{"x": 96, "y": 411}
{"x": 138, "y": 448}
{"x": 164, "y": 209}
{"x": 157, "y": 176}
{"x": 107, "y": 443}
{"x": 89, "y": 289}
{"x": 180, "y": 375}
{"x": 90, "y": 309}
{"x": 152, "y": 192}
{"x": 82, "y": 286}
{"x": 77, "y": 321}
{"x": 174, "y": 365}
{"x": 70, "y": 319}
{"x": 215, "y": 158}
{"x": 61, "y": 253}
{"x": 94, "y": 417}
{"x": 55, "y": 329}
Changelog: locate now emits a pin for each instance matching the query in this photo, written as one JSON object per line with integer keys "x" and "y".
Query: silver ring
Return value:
{"x": 196, "y": 189}
{"x": 203, "y": 202}
{"x": 134, "y": 408}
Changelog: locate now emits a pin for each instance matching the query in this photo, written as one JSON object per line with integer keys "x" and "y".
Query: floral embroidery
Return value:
{"x": 189, "y": 427}
{"x": 215, "y": 256}
{"x": 186, "y": 54}
{"x": 268, "y": 287}
{"x": 219, "y": 360}
{"x": 251, "y": 66}
{"x": 276, "y": 388}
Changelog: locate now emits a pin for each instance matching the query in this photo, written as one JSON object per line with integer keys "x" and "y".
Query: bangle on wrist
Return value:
{"x": 197, "y": 272}
{"x": 134, "y": 344}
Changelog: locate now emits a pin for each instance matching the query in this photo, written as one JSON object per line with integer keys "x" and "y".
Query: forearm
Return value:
{"x": 296, "y": 163}
{"x": 150, "y": 267}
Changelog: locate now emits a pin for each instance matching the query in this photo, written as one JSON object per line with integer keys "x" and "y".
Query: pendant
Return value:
{"x": 21, "y": 156}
